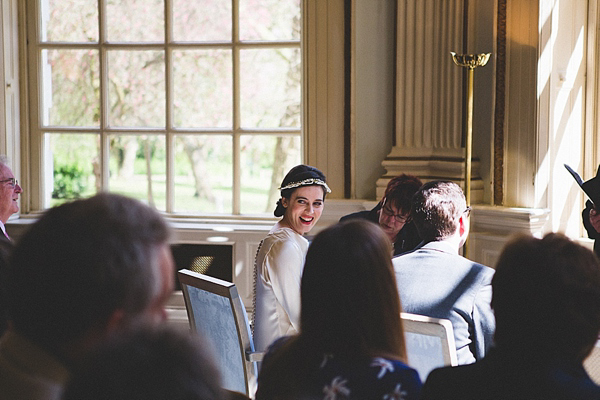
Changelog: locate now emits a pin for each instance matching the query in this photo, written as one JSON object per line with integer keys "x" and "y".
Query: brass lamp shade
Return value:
{"x": 470, "y": 61}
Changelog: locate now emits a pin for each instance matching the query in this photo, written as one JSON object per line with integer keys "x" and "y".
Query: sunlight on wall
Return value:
{"x": 562, "y": 63}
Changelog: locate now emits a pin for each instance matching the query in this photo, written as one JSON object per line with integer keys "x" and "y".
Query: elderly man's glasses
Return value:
{"x": 12, "y": 182}
{"x": 401, "y": 219}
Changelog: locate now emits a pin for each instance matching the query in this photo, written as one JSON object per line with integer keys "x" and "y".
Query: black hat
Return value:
{"x": 590, "y": 187}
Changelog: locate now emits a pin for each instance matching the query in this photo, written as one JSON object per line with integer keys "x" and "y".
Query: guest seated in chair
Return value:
{"x": 591, "y": 221}
{"x": 546, "y": 297}
{"x": 351, "y": 340}
{"x": 280, "y": 256}
{"x": 84, "y": 270}
{"x": 590, "y": 214}
{"x": 435, "y": 281}
{"x": 393, "y": 213}
{"x": 9, "y": 195}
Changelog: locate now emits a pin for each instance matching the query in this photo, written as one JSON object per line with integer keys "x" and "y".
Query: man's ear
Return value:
{"x": 285, "y": 202}
{"x": 463, "y": 226}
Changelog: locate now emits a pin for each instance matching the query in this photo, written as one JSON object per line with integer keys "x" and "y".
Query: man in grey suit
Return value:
{"x": 434, "y": 280}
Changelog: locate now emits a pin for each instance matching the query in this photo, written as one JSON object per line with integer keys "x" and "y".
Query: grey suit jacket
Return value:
{"x": 436, "y": 281}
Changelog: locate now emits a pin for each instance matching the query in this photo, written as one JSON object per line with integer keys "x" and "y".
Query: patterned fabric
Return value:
{"x": 334, "y": 378}
{"x": 381, "y": 379}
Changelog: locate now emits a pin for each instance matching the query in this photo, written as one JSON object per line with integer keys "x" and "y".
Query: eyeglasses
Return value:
{"x": 401, "y": 219}
{"x": 468, "y": 211}
{"x": 12, "y": 182}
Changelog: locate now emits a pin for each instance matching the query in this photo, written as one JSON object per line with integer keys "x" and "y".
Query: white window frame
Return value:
{"x": 35, "y": 150}
{"x": 323, "y": 96}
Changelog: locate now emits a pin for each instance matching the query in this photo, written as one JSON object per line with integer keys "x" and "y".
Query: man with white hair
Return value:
{"x": 9, "y": 194}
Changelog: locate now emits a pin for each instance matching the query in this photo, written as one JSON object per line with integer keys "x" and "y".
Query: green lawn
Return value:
{"x": 253, "y": 197}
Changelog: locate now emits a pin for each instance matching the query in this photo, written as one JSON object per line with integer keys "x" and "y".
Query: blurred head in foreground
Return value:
{"x": 546, "y": 297}
{"x": 86, "y": 269}
{"x": 148, "y": 363}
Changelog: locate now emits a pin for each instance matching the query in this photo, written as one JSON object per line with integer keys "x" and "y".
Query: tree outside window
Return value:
{"x": 194, "y": 112}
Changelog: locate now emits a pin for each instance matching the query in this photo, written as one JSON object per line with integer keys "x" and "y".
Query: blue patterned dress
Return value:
{"x": 336, "y": 379}
{"x": 382, "y": 378}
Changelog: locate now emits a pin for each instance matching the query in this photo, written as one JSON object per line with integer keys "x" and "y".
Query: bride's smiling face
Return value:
{"x": 303, "y": 209}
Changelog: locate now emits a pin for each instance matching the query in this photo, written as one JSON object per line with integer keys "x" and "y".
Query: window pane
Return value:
{"x": 135, "y": 20}
{"x": 138, "y": 167}
{"x": 203, "y": 88}
{"x": 203, "y": 174}
{"x": 264, "y": 162}
{"x": 72, "y": 166}
{"x": 69, "y": 87}
{"x": 270, "y": 19}
{"x": 129, "y": 101}
{"x": 69, "y": 20}
{"x": 270, "y": 88}
{"x": 202, "y": 20}
{"x": 136, "y": 88}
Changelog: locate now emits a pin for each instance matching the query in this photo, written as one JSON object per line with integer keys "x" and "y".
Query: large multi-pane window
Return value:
{"x": 192, "y": 106}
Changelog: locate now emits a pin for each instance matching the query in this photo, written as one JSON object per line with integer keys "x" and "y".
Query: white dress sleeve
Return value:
{"x": 282, "y": 267}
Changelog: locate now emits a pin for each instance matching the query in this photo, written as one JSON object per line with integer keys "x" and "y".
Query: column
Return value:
{"x": 428, "y": 138}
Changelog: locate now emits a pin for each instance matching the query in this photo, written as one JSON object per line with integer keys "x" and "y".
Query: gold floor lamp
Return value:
{"x": 469, "y": 61}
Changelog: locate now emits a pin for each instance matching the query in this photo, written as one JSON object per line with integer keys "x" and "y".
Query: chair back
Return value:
{"x": 429, "y": 343}
{"x": 215, "y": 311}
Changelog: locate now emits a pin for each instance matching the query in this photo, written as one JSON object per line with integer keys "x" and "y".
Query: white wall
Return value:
{"x": 482, "y": 25}
{"x": 565, "y": 86}
{"x": 374, "y": 91}
{"x": 374, "y": 107}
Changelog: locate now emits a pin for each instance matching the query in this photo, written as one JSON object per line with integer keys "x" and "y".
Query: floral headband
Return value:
{"x": 306, "y": 182}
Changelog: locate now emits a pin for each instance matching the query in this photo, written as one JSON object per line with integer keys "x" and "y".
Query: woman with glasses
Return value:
{"x": 280, "y": 256}
{"x": 393, "y": 213}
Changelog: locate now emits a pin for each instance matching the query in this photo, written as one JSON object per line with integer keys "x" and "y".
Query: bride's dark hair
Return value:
{"x": 297, "y": 174}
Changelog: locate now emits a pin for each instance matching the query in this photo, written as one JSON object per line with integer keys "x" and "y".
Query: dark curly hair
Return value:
{"x": 400, "y": 191}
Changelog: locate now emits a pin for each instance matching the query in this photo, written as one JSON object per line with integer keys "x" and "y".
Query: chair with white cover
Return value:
{"x": 429, "y": 343}
{"x": 215, "y": 311}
